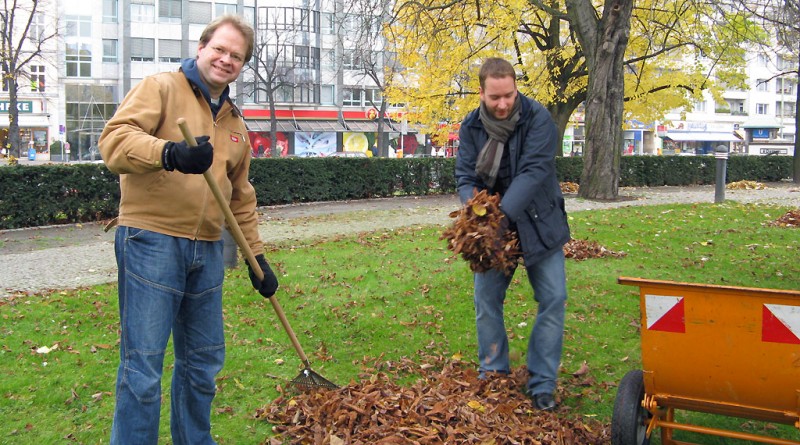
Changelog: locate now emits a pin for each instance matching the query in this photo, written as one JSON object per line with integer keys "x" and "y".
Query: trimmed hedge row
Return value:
{"x": 58, "y": 193}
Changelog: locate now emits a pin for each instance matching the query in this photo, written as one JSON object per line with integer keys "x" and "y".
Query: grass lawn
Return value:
{"x": 384, "y": 296}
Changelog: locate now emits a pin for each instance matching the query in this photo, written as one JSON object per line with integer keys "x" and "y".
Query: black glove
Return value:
{"x": 269, "y": 285}
{"x": 191, "y": 160}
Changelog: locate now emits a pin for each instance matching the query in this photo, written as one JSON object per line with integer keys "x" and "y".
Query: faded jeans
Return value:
{"x": 548, "y": 280}
{"x": 167, "y": 285}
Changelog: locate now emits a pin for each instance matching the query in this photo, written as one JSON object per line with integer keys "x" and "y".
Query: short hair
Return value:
{"x": 237, "y": 22}
{"x": 497, "y": 68}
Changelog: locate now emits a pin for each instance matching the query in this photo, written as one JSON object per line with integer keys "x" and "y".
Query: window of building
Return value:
{"x": 110, "y": 50}
{"x": 785, "y": 109}
{"x": 110, "y": 11}
{"x": 169, "y": 51}
{"x": 352, "y": 97}
{"x": 79, "y": 60}
{"x": 223, "y": 9}
{"x": 786, "y": 63}
{"x": 37, "y": 78}
{"x": 307, "y": 93}
{"x": 327, "y": 95}
{"x": 169, "y": 11}
{"x": 784, "y": 86}
{"x": 37, "y": 29}
{"x": 327, "y": 23}
{"x": 294, "y": 19}
{"x": 328, "y": 60}
{"x": 762, "y": 59}
{"x": 142, "y": 50}
{"x": 374, "y": 97}
{"x": 199, "y": 13}
{"x": 88, "y": 108}
{"x": 143, "y": 11}
{"x": 78, "y": 26}
{"x": 306, "y": 57}
{"x": 249, "y": 14}
{"x": 762, "y": 85}
{"x": 351, "y": 60}
{"x": 762, "y": 108}
{"x": 700, "y": 106}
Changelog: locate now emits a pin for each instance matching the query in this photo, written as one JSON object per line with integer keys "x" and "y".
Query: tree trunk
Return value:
{"x": 273, "y": 129}
{"x": 604, "y": 44}
{"x": 561, "y": 112}
{"x": 14, "y": 143}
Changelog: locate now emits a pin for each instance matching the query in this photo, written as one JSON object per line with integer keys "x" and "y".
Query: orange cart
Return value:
{"x": 726, "y": 350}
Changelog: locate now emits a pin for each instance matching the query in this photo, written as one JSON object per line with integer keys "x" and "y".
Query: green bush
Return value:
{"x": 69, "y": 193}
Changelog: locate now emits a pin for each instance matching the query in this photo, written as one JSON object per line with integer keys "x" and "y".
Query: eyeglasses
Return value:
{"x": 220, "y": 51}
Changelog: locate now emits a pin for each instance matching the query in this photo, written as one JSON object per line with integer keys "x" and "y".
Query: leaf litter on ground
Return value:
{"x": 447, "y": 404}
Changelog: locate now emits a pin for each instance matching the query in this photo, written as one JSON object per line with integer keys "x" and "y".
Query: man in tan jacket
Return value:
{"x": 168, "y": 243}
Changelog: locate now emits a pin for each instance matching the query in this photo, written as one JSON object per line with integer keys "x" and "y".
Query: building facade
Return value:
{"x": 319, "y": 70}
{"x": 105, "y": 47}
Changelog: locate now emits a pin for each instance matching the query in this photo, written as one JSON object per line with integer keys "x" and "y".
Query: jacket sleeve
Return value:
{"x": 535, "y": 167}
{"x": 467, "y": 181}
{"x": 127, "y": 142}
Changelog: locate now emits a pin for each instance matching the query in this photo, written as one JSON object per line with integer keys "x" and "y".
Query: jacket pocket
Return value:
{"x": 549, "y": 218}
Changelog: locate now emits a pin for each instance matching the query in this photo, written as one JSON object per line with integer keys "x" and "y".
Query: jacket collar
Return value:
{"x": 189, "y": 69}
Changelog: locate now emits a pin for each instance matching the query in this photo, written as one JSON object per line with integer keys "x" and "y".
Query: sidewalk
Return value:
{"x": 61, "y": 257}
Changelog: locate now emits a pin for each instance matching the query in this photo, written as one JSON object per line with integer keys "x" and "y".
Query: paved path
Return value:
{"x": 37, "y": 260}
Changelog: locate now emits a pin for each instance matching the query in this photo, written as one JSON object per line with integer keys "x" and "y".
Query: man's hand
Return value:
{"x": 269, "y": 285}
{"x": 191, "y": 160}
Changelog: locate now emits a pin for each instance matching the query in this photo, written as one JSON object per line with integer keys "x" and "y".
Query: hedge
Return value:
{"x": 70, "y": 193}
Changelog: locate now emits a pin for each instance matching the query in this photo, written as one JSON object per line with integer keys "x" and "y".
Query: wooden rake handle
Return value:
{"x": 236, "y": 231}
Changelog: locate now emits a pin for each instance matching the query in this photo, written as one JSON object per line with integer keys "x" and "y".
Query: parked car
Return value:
{"x": 348, "y": 154}
{"x": 310, "y": 154}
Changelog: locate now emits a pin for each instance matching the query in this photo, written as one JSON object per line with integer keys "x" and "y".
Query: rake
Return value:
{"x": 307, "y": 377}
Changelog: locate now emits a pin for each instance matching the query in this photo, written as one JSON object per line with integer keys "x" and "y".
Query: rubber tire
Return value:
{"x": 629, "y": 420}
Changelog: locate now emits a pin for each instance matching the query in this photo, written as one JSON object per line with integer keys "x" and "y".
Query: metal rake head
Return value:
{"x": 310, "y": 379}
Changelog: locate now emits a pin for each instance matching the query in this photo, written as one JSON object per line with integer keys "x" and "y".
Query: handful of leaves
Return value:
{"x": 477, "y": 234}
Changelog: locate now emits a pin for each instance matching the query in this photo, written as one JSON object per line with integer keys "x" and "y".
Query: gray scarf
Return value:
{"x": 488, "y": 163}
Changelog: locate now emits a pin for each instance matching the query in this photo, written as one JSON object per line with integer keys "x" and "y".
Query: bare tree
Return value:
{"x": 369, "y": 52}
{"x": 280, "y": 65}
{"x": 22, "y": 41}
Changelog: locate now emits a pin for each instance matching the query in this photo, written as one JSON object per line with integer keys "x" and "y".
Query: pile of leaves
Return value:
{"x": 746, "y": 185}
{"x": 478, "y": 236}
{"x": 569, "y": 187}
{"x": 789, "y": 219}
{"x": 584, "y": 249}
{"x": 448, "y": 404}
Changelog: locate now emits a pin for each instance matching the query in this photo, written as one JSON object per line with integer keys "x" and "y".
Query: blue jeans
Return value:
{"x": 167, "y": 285}
{"x": 548, "y": 280}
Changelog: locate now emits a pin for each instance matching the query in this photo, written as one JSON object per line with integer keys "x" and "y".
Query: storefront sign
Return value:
{"x": 23, "y": 106}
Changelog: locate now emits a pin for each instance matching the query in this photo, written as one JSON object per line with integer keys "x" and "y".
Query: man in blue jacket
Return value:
{"x": 508, "y": 147}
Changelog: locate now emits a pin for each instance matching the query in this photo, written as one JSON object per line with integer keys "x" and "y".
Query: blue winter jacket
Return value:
{"x": 533, "y": 200}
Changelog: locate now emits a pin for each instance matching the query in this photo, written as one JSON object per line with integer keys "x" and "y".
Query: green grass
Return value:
{"x": 382, "y": 296}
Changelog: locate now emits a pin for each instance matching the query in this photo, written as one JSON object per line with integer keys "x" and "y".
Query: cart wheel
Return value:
{"x": 629, "y": 420}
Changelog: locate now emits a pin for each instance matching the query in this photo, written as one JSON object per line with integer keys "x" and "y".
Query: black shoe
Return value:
{"x": 544, "y": 401}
